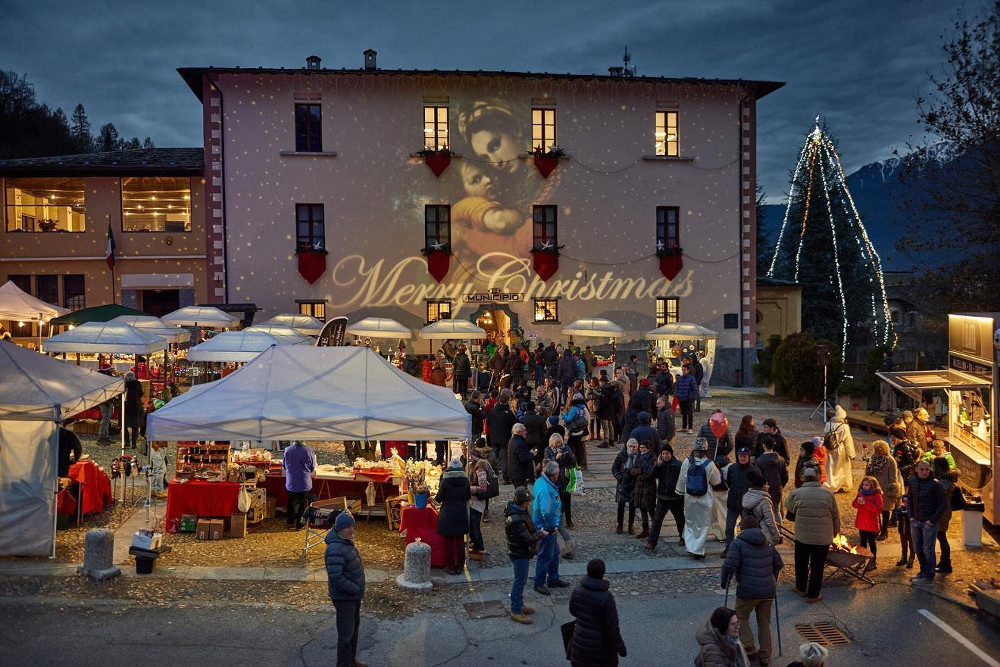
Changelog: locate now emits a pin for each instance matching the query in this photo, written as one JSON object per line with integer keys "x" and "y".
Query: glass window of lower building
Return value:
{"x": 310, "y": 230}
{"x": 314, "y": 307}
{"x": 546, "y": 310}
{"x": 47, "y": 288}
{"x": 438, "y": 310}
{"x": 45, "y": 205}
{"x": 668, "y": 310}
{"x": 156, "y": 204}
{"x": 74, "y": 292}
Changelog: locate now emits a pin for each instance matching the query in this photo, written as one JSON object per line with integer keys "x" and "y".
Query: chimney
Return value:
{"x": 312, "y": 62}
{"x": 370, "y": 59}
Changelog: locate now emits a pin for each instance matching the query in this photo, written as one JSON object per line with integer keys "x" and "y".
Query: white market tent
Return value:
{"x": 105, "y": 338}
{"x": 304, "y": 324}
{"x": 37, "y": 393}
{"x": 379, "y": 327}
{"x": 682, "y": 331}
{"x": 239, "y": 346}
{"x": 285, "y": 335}
{"x": 154, "y": 325}
{"x": 16, "y": 304}
{"x": 299, "y": 392}
{"x": 594, "y": 327}
{"x": 206, "y": 317}
{"x": 445, "y": 329}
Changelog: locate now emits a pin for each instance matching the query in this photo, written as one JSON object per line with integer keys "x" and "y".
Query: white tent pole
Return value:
{"x": 121, "y": 418}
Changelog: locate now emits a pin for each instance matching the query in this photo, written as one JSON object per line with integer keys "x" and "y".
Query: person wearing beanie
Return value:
{"x": 346, "y": 585}
{"x": 817, "y": 520}
{"x": 839, "y": 452}
{"x": 820, "y": 453}
{"x": 454, "y": 493}
{"x": 667, "y": 471}
{"x": 597, "y": 640}
{"x": 643, "y": 432}
{"x": 522, "y": 543}
{"x": 813, "y": 655}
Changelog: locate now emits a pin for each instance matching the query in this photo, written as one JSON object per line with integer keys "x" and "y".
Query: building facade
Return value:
{"x": 57, "y": 213}
{"x": 319, "y": 199}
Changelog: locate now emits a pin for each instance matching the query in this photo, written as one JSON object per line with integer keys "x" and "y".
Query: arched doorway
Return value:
{"x": 498, "y": 321}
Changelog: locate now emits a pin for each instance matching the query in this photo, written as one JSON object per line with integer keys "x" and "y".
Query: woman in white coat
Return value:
{"x": 840, "y": 453}
{"x": 697, "y": 508}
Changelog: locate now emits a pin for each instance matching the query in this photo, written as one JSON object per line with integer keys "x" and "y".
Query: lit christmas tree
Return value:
{"x": 823, "y": 245}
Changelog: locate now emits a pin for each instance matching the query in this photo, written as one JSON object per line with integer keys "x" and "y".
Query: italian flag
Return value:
{"x": 110, "y": 258}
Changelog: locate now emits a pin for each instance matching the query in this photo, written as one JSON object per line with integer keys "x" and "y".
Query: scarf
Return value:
{"x": 876, "y": 464}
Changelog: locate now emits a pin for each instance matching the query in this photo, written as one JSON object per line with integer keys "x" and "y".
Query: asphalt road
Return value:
{"x": 885, "y": 624}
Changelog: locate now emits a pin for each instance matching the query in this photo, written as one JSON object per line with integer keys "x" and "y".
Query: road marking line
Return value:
{"x": 979, "y": 653}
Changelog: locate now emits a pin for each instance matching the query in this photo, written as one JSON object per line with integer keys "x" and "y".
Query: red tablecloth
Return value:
{"x": 352, "y": 489}
{"x": 65, "y": 503}
{"x": 95, "y": 486}
{"x": 422, "y": 522}
{"x": 201, "y": 498}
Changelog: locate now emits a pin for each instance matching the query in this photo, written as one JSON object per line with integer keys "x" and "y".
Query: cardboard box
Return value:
{"x": 202, "y": 529}
{"x": 87, "y": 427}
{"x": 216, "y": 529}
{"x": 188, "y": 523}
{"x": 149, "y": 542}
{"x": 272, "y": 504}
{"x": 238, "y": 525}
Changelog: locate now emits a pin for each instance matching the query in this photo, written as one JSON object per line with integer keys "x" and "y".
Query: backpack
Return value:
{"x": 830, "y": 441}
{"x": 696, "y": 480}
{"x": 582, "y": 420}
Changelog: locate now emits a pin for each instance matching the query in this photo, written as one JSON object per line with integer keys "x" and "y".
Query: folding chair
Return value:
{"x": 320, "y": 518}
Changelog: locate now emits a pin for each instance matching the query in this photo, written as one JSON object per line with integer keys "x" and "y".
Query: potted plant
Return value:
{"x": 437, "y": 159}
{"x": 547, "y": 160}
{"x": 438, "y": 259}
{"x": 671, "y": 260}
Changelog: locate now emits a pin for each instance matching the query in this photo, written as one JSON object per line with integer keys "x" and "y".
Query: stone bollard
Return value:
{"x": 98, "y": 549}
{"x": 416, "y": 567}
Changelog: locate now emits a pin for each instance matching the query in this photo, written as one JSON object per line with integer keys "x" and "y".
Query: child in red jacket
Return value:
{"x": 869, "y": 505}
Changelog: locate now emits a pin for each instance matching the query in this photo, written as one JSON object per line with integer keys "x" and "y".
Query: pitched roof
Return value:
{"x": 193, "y": 76}
{"x": 144, "y": 161}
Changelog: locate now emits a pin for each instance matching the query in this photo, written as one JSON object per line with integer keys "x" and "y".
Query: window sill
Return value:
{"x": 531, "y": 156}
{"x": 667, "y": 158}
{"x": 547, "y": 322}
{"x": 307, "y": 153}
{"x": 155, "y": 231}
{"x": 418, "y": 154}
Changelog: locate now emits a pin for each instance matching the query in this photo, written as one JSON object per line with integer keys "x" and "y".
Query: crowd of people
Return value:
{"x": 742, "y": 489}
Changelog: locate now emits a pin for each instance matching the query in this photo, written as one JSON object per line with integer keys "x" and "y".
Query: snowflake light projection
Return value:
{"x": 824, "y": 246}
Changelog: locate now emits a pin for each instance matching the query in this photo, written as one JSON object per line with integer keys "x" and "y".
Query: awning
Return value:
{"x": 912, "y": 383}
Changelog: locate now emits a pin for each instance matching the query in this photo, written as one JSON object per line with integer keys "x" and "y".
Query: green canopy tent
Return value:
{"x": 104, "y": 313}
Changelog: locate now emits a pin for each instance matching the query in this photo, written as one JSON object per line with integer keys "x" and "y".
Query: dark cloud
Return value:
{"x": 858, "y": 63}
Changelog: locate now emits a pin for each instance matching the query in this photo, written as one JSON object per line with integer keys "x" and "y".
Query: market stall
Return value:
{"x": 37, "y": 393}
{"x": 17, "y": 306}
{"x": 677, "y": 339}
{"x": 306, "y": 325}
{"x": 971, "y": 382}
{"x": 307, "y": 393}
{"x": 596, "y": 327}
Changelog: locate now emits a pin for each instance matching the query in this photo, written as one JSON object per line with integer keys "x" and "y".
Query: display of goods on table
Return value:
{"x": 419, "y": 477}
{"x": 202, "y": 460}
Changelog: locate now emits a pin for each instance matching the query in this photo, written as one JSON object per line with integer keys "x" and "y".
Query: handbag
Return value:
{"x": 567, "y": 630}
{"x": 957, "y": 499}
{"x": 575, "y": 477}
{"x": 244, "y": 499}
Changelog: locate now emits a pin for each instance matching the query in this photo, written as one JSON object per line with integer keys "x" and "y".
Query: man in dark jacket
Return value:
{"x": 619, "y": 412}
{"x": 550, "y": 357}
{"x": 462, "y": 371}
{"x": 346, "y": 583}
{"x": 520, "y": 459}
{"x": 664, "y": 381}
{"x": 756, "y": 565}
{"x": 606, "y": 412}
{"x": 775, "y": 471}
{"x": 666, "y": 426}
{"x": 536, "y": 428}
{"x": 474, "y": 406}
{"x": 645, "y": 432}
{"x": 927, "y": 502}
{"x": 596, "y": 639}
{"x": 566, "y": 372}
{"x": 69, "y": 443}
{"x": 699, "y": 375}
{"x": 770, "y": 428}
{"x": 667, "y": 472}
{"x": 501, "y": 420}
{"x": 736, "y": 480}
{"x": 522, "y": 544}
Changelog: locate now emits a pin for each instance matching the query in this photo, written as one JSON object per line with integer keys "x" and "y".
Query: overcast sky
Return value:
{"x": 861, "y": 64}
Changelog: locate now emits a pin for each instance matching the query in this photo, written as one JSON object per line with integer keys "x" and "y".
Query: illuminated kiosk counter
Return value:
{"x": 971, "y": 384}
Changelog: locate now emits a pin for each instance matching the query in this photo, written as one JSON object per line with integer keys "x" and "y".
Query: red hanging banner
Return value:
{"x": 545, "y": 164}
{"x": 545, "y": 264}
{"x": 438, "y": 262}
{"x": 671, "y": 265}
{"x": 438, "y": 161}
{"x": 312, "y": 264}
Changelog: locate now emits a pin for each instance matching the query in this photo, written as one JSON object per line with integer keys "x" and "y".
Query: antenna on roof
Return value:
{"x": 625, "y": 70}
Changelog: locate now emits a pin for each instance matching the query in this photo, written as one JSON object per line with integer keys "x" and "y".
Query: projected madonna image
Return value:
{"x": 492, "y": 211}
